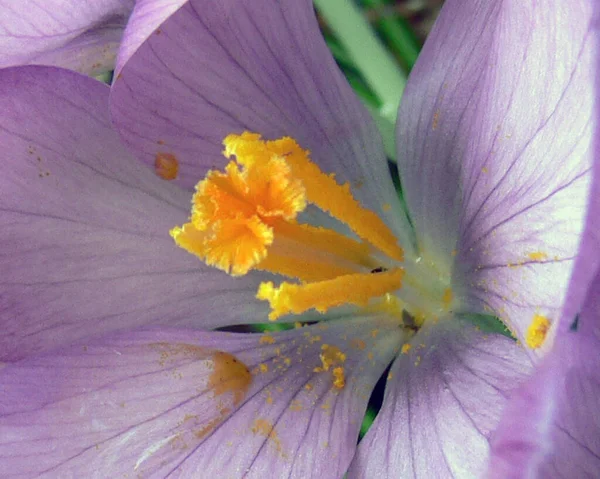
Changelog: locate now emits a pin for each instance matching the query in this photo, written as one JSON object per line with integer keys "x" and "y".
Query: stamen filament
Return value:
{"x": 355, "y": 289}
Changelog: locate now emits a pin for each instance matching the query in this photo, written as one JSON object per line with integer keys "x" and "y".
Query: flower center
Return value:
{"x": 246, "y": 218}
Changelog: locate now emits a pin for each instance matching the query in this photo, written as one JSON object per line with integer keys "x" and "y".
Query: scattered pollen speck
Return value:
{"x": 537, "y": 256}
{"x": 386, "y": 207}
{"x": 263, "y": 427}
{"x": 436, "y": 120}
{"x": 263, "y": 368}
{"x": 484, "y": 170}
{"x": 405, "y": 348}
{"x": 339, "y": 378}
{"x": 266, "y": 339}
{"x": 229, "y": 375}
{"x": 166, "y": 166}
{"x": 537, "y": 331}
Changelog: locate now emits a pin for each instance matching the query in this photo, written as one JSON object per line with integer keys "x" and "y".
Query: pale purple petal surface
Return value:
{"x": 494, "y": 150}
{"x": 551, "y": 426}
{"x": 82, "y": 36}
{"x": 84, "y": 228}
{"x": 192, "y": 404}
{"x": 442, "y": 400}
{"x": 214, "y": 68}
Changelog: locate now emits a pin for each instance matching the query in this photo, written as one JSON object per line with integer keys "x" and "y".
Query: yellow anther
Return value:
{"x": 246, "y": 217}
{"x": 323, "y": 191}
{"x": 537, "y": 331}
{"x": 355, "y": 289}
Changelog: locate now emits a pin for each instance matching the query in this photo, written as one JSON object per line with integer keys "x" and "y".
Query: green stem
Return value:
{"x": 398, "y": 33}
{"x": 376, "y": 65}
{"x": 386, "y": 129}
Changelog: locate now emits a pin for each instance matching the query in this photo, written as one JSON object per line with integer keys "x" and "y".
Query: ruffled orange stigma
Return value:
{"x": 537, "y": 331}
{"x": 355, "y": 289}
{"x": 232, "y": 211}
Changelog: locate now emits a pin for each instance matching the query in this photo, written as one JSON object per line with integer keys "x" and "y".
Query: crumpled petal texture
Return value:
{"x": 82, "y": 36}
{"x": 252, "y": 65}
{"x": 494, "y": 150}
{"x": 192, "y": 404}
{"x": 84, "y": 228}
{"x": 442, "y": 400}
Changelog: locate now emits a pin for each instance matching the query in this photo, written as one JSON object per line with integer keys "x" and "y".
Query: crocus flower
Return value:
{"x": 495, "y": 155}
{"x": 83, "y": 36}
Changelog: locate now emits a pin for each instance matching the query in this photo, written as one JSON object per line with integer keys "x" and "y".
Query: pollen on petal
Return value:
{"x": 537, "y": 331}
{"x": 229, "y": 375}
{"x": 166, "y": 166}
{"x": 537, "y": 256}
{"x": 339, "y": 380}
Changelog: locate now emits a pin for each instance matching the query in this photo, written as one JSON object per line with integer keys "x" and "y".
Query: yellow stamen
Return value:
{"x": 323, "y": 191}
{"x": 246, "y": 217}
{"x": 355, "y": 289}
{"x": 537, "y": 331}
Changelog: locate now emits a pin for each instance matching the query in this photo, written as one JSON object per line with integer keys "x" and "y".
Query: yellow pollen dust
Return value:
{"x": 332, "y": 356}
{"x": 537, "y": 331}
{"x": 246, "y": 217}
{"x": 537, "y": 256}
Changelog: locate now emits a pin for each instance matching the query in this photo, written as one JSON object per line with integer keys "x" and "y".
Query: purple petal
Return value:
{"x": 192, "y": 404}
{"x": 442, "y": 400}
{"x": 550, "y": 428}
{"x": 216, "y": 68}
{"x": 83, "y": 36}
{"x": 84, "y": 228}
{"x": 494, "y": 139}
